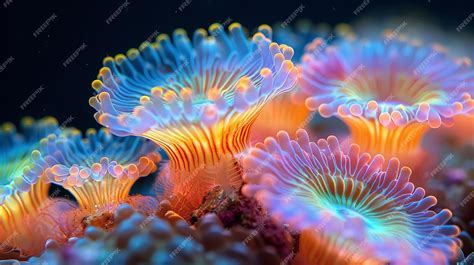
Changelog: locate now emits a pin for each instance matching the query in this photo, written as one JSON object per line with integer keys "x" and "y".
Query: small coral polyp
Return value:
{"x": 324, "y": 192}
{"x": 100, "y": 169}
{"x": 388, "y": 94}
{"x": 23, "y": 195}
{"x": 197, "y": 99}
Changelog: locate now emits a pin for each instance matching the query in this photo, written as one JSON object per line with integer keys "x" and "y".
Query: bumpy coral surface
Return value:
{"x": 234, "y": 209}
{"x": 152, "y": 240}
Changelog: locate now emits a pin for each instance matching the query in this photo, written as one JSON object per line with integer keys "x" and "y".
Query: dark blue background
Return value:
{"x": 38, "y": 60}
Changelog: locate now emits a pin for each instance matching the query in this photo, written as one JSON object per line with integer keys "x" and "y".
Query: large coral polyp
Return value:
{"x": 23, "y": 194}
{"x": 100, "y": 169}
{"x": 388, "y": 94}
{"x": 196, "y": 99}
{"x": 316, "y": 187}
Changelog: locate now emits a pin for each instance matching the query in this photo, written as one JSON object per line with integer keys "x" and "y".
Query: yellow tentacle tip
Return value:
{"x": 104, "y": 71}
{"x": 258, "y": 36}
{"x": 49, "y": 120}
{"x": 265, "y": 72}
{"x": 133, "y": 53}
{"x": 215, "y": 27}
{"x": 156, "y": 90}
{"x": 274, "y": 46}
{"x": 201, "y": 31}
{"x": 27, "y": 121}
{"x": 169, "y": 95}
{"x": 162, "y": 37}
{"x": 44, "y": 141}
{"x": 120, "y": 58}
{"x": 108, "y": 59}
{"x": 144, "y": 99}
{"x": 243, "y": 84}
{"x": 264, "y": 27}
{"x": 103, "y": 96}
{"x": 7, "y": 127}
{"x": 35, "y": 154}
{"x": 97, "y": 84}
{"x": 288, "y": 64}
{"x": 186, "y": 92}
{"x": 75, "y": 132}
{"x": 343, "y": 28}
{"x": 180, "y": 31}
{"x": 91, "y": 131}
{"x": 235, "y": 25}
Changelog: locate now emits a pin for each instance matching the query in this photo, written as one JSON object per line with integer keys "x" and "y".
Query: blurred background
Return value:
{"x": 55, "y": 48}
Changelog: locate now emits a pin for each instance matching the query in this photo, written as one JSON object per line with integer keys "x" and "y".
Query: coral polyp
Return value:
{"x": 316, "y": 187}
{"x": 388, "y": 94}
{"x": 23, "y": 194}
{"x": 100, "y": 169}
{"x": 196, "y": 99}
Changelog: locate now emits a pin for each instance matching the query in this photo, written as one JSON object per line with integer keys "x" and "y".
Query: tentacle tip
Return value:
{"x": 97, "y": 84}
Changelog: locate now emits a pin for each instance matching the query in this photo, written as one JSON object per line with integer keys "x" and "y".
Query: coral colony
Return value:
{"x": 221, "y": 121}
